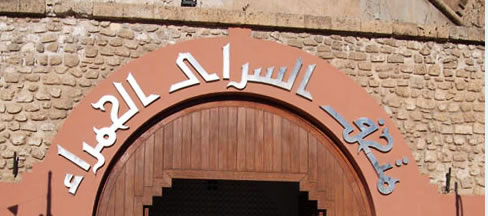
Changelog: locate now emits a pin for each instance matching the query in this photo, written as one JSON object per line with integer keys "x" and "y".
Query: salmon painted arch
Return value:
{"x": 104, "y": 123}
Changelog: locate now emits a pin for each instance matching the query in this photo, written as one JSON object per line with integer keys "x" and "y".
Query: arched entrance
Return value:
{"x": 234, "y": 140}
{"x": 94, "y": 136}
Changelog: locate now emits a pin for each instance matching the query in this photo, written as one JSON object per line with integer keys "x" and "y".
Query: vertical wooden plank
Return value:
{"x": 322, "y": 168}
{"x": 205, "y": 136}
{"x": 120, "y": 193}
{"x": 223, "y": 134}
{"x": 303, "y": 139}
{"x": 241, "y": 138}
{"x": 276, "y": 143}
{"x": 111, "y": 203}
{"x": 312, "y": 160}
{"x": 356, "y": 207}
{"x": 332, "y": 169}
{"x": 129, "y": 186}
{"x": 232, "y": 139}
{"x": 259, "y": 140}
{"x": 139, "y": 176}
{"x": 196, "y": 150}
{"x": 168, "y": 146}
{"x": 214, "y": 139}
{"x": 149, "y": 161}
{"x": 360, "y": 200}
{"x": 286, "y": 145}
{"x": 339, "y": 191}
{"x": 186, "y": 142}
{"x": 294, "y": 148}
{"x": 177, "y": 143}
{"x": 250, "y": 139}
{"x": 138, "y": 207}
{"x": 268, "y": 141}
{"x": 158, "y": 152}
{"x": 347, "y": 199}
{"x": 105, "y": 198}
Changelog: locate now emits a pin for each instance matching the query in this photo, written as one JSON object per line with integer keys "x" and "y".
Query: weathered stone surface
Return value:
{"x": 13, "y": 108}
{"x": 48, "y": 37}
{"x": 90, "y": 52}
{"x": 433, "y": 90}
{"x": 55, "y": 60}
{"x": 357, "y": 56}
{"x": 38, "y": 153}
{"x": 11, "y": 77}
{"x": 463, "y": 129}
{"x": 71, "y": 60}
{"x": 18, "y": 140}
{"x": 295, "y": 43}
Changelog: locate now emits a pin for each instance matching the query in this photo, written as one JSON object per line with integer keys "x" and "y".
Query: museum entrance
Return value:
{"x": 233, "y": 157}
{"x": 189, "y": 197}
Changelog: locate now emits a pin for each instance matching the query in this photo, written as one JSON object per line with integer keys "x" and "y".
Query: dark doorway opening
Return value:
{"x": 190, "y": 197}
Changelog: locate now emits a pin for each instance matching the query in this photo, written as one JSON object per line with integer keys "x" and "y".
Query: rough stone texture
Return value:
{"x": 474, "y": 13}
{"x": 434, "y": 91}
{"x": 418, "y": 18}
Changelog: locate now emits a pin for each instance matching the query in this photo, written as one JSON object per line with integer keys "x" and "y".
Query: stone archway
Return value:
{"x": 234, "y": 140}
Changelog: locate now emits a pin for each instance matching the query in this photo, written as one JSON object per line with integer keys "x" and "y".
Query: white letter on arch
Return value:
{"x": 192, "y": 79}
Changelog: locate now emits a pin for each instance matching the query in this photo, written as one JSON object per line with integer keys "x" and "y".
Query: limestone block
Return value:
{"x": 357, "y": 56}
{"x": 63, "y": 104}
{"x": 430, "y": 156}
{"x": 32, "y": 6}
{"x": 55, "y": 60}
{"x": 404, "y": 29}
{"x": 9, "y": 6}
{"x": 38, "y": 116}
{"x": 18, "y": 139}
{"x": 395, "y": 58}
{"x": 102, "y": 9}
{"x": 38, "y": 153}
{"x": 13, "y": 108}
{"x": 90, "y": 52}
{"x": 34, "y": 141}
{"x": 71, "y": 60}
{"x": 48, "y": 37}
{"x": 376, "y": 26}
{"x": 140, "y": 11}
{"x": 28, "y": 126}
{"x": 463, "y": 129}
{"x": 125, "y": 33}
{"x": 83, "y": 8}
{"x": 346, "y": 24}
{"x": 295, "y": 43}
{"x": 427, "y": 30}
{"x": 317, "y": 22}
{"x": 479, "y": 128}
{"x": 50, "y": 79}
{"x": 57, "y": 114}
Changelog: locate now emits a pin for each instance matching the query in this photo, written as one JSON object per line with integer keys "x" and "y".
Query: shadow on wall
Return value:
{"x": 459, "y": 202}
{"x": 14, "y": 209}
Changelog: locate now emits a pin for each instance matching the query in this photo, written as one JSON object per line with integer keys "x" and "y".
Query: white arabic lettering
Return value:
{"x": 366, "y": 126}
{"x": 107, "y": 136}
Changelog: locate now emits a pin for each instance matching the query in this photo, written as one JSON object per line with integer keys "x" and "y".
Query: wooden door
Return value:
{"x": 233, "y": 140}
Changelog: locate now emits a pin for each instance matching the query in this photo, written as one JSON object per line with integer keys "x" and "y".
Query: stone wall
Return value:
{"x": 434, "y": 91}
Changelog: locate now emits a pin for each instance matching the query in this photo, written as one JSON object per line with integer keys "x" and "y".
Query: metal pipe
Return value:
{"x": 444, "y": 8}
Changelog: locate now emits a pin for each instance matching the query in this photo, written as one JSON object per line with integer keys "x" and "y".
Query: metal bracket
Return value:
{"x": 448, "y": 181}
{"x": 15, "y": 171}
{"x": 188, "y": 3}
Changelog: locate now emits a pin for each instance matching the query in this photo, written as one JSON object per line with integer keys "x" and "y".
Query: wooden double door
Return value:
{"x": 233, "y": 140}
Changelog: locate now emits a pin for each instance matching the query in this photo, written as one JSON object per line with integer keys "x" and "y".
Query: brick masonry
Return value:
{"x": 433, "y": 90}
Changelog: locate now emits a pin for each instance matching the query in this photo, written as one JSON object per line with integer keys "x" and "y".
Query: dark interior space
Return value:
{"x": 225, "y": 197}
